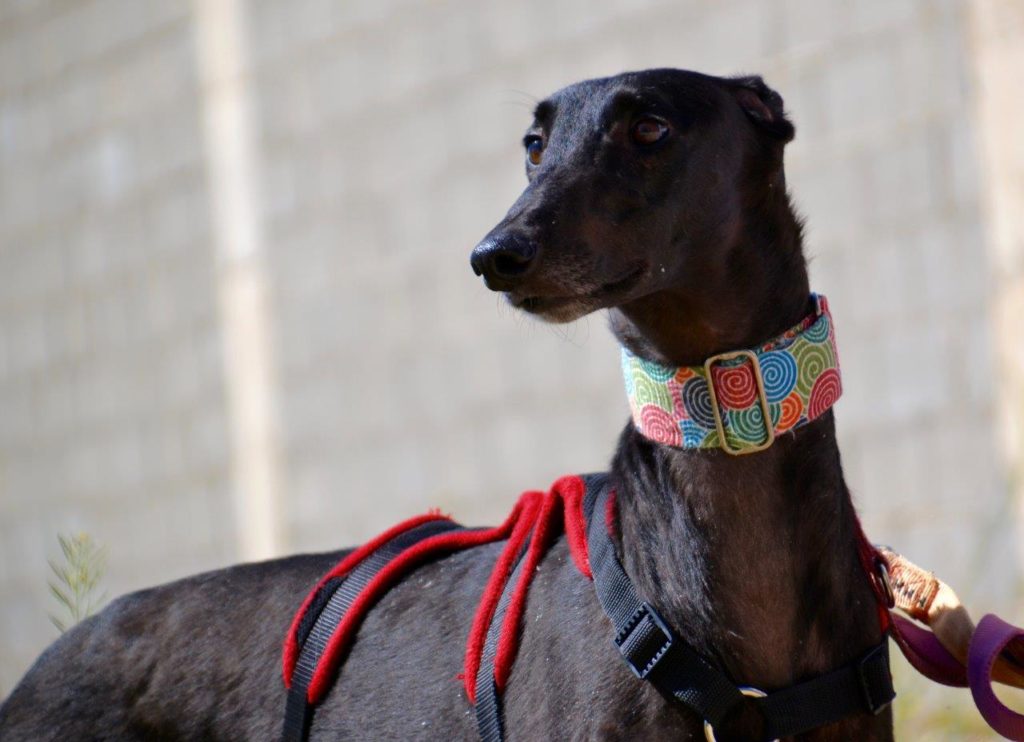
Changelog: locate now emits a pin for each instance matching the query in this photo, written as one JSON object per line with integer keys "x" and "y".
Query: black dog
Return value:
{"x": 660, "y": 196}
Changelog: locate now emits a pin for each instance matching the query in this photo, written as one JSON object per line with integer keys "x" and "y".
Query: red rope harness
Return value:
{"x": 536, "y": 517}
{"x": 533, "y": 525}
{"x": 540, "y": 514}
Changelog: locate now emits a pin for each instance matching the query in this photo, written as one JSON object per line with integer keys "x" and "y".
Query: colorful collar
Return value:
{"x": 792, "y": 379}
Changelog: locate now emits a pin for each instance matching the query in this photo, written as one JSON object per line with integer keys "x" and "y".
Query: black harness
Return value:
{"x": 653, "y": 651}
{"x": 329, "y": 606}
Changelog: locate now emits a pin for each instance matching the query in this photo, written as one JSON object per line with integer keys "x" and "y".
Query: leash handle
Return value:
{"x": 955, "y": 652}
{"x": 990, "y": 639}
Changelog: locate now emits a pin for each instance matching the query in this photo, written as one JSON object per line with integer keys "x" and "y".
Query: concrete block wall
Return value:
{"x": 388, "y": 165}
{"x": 996, "y": 27}
{"x": 111, "y": 380}
{"x": 388, "y": 138}
{"x": 889, "y": 181}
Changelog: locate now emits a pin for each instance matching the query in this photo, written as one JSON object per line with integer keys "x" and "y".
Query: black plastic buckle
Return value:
{"x": 876, "y": 679}
{"x": 644, "y": 640}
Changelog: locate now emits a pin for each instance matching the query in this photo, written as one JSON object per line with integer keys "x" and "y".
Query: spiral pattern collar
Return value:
{"x": 725, "y": 403}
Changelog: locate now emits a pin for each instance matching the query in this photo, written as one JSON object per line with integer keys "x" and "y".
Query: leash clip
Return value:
{"x": 885, "y": 581}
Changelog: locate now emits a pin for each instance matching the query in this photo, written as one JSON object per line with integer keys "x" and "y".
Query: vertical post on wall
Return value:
{"x": 233, "y": 172}
{"x": 996, "y": 30}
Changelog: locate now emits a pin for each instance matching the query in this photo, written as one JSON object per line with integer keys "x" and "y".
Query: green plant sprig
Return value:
{"x": 77, "y": 579}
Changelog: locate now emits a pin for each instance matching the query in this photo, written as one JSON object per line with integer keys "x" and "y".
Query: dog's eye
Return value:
{"x": 649, "y": 130}
{"x": 534, "y": 149}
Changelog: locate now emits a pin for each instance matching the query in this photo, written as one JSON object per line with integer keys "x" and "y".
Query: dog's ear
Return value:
{"x": 763, "y": 106}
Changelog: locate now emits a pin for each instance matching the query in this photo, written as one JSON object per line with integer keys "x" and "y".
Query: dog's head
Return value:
{"x": 637, "y": 183}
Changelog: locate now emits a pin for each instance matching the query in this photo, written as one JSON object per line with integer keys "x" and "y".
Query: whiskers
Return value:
{"x": 571, "y": 332}
{"x": 522, "y": 100}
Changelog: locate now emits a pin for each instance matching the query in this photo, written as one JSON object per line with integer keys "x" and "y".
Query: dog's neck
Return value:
{"x": 735, "y": 296}
{"x": 753, "y": 558}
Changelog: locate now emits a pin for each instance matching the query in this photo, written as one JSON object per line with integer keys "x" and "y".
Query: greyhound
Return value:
{"x": 659, "y": 196}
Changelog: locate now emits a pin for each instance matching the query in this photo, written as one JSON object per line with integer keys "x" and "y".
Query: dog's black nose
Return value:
{"x": 503, "y": 256}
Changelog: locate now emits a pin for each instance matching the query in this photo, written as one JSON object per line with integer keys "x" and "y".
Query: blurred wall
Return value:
{"x": 112, "y": 411}
{"x": 237, "y": 317}
{"x": 997, "y": 28}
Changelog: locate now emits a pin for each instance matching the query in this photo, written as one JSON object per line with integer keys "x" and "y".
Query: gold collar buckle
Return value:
{"x": 755, "y": 364}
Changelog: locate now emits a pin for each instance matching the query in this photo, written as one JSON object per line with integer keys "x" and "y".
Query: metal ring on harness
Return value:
{"x": 750, "y": 691}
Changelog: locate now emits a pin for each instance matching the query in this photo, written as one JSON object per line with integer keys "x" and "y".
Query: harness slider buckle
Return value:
{"x": 644, "y": 640}
{"x": 876, "y": 679}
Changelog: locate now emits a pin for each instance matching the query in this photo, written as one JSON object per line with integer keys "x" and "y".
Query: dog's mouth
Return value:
{"x": 565, "y": 308}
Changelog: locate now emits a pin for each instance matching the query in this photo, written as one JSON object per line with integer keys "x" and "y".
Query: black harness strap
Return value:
{"x": 326, "y": 612}
{"x": 647, "y": 644}
{"x": 655, "y": 653}
{"x": 862, "y": 686}
{"x": 489, "y": 713}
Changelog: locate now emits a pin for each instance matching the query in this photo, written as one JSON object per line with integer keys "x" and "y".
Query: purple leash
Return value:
{"x": 994, "y": 651}
{"x": 992, "y": 636}
{"x": 926, "y": 654}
